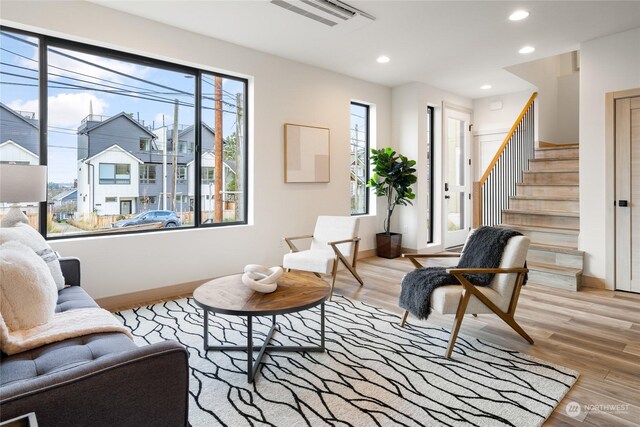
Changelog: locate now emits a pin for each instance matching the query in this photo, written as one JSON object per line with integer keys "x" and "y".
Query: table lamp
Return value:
{"x": 22, "y": 183}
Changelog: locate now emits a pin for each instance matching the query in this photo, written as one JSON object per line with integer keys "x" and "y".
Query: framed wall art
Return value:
{"x": 306, "y": 153}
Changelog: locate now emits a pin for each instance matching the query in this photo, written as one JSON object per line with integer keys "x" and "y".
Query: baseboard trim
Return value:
{"x": 592, "y": 282}
{"x": 366, "y": 254}
{"x": 135, "y": 299}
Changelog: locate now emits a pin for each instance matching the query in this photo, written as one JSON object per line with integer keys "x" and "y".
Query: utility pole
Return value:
{"x": 217, "y": 151}
{"x": 174, "y": 163}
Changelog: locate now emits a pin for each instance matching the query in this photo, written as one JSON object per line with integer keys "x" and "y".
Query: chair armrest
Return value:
{"x": 337, "y": 242}
{"x": 289, "y": 241}
{"x": 70, "y": 267}
{"x": 416, "y": 263}
{"x": 145, "y": 386}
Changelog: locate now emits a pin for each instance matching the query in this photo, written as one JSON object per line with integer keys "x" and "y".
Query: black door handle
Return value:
{"x": 623, "y": 203}
{"x": 446, "y": 186}
{"x": 447, "y": 197}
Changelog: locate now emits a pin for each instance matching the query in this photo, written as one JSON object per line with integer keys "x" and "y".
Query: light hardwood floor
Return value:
{"x": 594, "y": 332}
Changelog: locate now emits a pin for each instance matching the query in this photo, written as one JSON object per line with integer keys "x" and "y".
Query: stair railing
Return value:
{"x": 498, "y": 183}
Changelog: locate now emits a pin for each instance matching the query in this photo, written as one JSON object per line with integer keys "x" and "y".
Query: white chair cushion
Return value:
{"x": 316, "y": 261}
{"x": 332, "y": 229}
{"x": 445, "y": 300}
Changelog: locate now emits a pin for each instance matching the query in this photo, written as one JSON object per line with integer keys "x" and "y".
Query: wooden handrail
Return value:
{"x": 507, "y": 139}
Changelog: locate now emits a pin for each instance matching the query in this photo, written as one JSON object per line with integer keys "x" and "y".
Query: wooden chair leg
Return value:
{"x": 514, "y": 325}
{"x": 404, "y": 318}
{"x": 462, "y": 306}
{"x": 334, "y": 273}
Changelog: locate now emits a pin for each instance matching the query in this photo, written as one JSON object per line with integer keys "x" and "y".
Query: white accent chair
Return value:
{"x": 500, "y": 297}
{"x": 334, "y": 239}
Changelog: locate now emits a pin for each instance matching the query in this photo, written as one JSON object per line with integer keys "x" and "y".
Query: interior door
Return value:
{"x": 627, "y": 194}
{"x": 456, "y": 172}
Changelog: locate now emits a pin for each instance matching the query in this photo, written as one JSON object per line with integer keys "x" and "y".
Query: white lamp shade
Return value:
{"x": 23, "y": 183}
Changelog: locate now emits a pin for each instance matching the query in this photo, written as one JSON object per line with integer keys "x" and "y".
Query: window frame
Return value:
{"x": 431, "y": 112}
{"x": 114, "y": 180}
{"x": 45, "y": 42}
{"x": 147, "y": 167}
{"x": 366, "y": 156}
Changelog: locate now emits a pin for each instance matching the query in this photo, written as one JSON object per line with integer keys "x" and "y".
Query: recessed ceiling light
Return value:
{"x": 518, "y": 15}
{"x": 527, "y": 49}
{"x": 382, "y": 59}
{"x": 485, "y": 87}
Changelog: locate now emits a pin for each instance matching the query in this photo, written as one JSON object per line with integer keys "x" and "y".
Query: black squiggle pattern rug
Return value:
{"x": 374, "y": 373}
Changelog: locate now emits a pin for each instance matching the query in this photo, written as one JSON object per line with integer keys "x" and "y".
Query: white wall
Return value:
{"x": 607, "y": 64}
{"x": 281, "y": 91}
{"x": 557, "y": 86}
{"x": 410, "y": 103}
{"x": 491, "y": 126}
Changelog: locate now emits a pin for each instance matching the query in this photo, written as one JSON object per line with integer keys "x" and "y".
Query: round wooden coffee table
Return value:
{"x": 297, "y": 291}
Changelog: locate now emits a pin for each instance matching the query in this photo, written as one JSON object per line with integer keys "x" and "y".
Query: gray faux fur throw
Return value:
{"x": 483, "y": 250}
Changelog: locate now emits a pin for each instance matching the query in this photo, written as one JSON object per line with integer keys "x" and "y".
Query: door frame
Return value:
{"x": 469, "y": 172}
{"x": 610, "y": 178}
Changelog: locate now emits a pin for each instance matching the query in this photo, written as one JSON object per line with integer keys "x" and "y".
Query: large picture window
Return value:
{"x": 359, "y": 164}
{"x": 155, "y": 129}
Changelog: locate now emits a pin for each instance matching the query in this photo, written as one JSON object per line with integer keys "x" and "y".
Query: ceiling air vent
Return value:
{"x": 328, "y": 12}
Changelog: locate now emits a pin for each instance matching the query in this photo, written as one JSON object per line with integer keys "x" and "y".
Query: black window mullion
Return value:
{"x": 42, "y": 120}
{"x": 197, "y": 194}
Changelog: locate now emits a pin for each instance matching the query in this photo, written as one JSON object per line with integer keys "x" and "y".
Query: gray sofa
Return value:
{"x": 95, "y": 380}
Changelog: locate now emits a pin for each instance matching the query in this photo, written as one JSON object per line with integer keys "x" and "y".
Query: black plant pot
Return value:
{"x": 389, "y": 245}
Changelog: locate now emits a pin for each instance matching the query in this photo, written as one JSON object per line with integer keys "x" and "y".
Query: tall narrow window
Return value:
{"x": 20, "y": 112}
{"x": 429, "y": 163}
{"x": 223, "y": 149}
{"x": 359, "y": 160}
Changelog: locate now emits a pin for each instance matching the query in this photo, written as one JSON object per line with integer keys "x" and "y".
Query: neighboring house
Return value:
{"x": 12, "y": 152}
{"x": 64, "y": 203}
{"x": 21, "y": 128}
{"x": 143, "y": 165}
{"x": 108, "y": 182}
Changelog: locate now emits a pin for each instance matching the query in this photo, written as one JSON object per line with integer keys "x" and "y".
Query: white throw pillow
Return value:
{"x": 28, "y": 293}
{"x": 13, "y": 217}
{"x": 27, "y": 235}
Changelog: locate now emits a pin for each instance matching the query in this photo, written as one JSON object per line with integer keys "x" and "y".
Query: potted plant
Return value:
{"x": 393, "y": 175}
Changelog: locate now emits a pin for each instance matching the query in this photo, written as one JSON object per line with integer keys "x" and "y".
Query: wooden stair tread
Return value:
{"x": 555, "y": 269}
{"x": 559, "y": 147}
{"x": 547, "y": 185}
{"x": 554, "y": 171}
{"x": 554, "y": 159}
{"x": 545, "y": 197}
{"x": 554, "y": 248}
{"x": 541, "y": 228}
{"x": 545, "y": 212}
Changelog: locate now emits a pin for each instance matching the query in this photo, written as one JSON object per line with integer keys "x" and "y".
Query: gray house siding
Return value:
{"x": 19, "y": 129}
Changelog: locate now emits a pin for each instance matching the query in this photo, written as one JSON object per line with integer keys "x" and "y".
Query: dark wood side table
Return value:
{"x": 297, "y": 291}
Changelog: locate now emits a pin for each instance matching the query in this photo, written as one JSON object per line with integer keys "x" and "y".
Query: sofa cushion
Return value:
{"x": 62, "y": 355}
{"x": 27, "y": 291}
{"x": 72, "y": 298}
{"x": 27, "y": 235}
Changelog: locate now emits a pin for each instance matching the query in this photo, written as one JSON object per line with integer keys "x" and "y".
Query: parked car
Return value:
{"x": 169, "y": 219}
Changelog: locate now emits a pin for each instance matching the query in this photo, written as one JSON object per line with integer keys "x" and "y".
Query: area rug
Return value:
{"x": 374, "y": 373}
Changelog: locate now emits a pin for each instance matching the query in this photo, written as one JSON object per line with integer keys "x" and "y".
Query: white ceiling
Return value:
{"x": 453, "y": 45}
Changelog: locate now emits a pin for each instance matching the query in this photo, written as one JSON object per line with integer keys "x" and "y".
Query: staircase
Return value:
{"x": 546, "y": 208}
